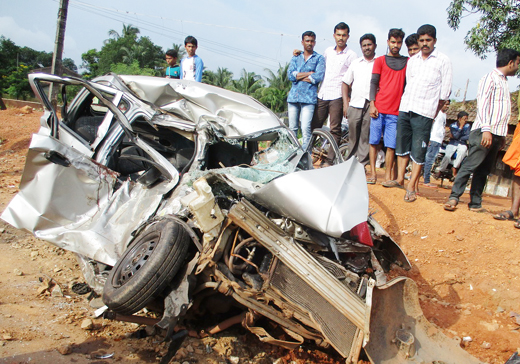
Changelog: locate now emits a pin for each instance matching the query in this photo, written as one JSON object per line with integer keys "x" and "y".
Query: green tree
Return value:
{"x": 18, "y": 85}
{"x": 181, "y": 51}
{"x": 131, "y": 69}
{"x": 274, "y": 98}
{"x": 497, "y": 28}
{"x": 124, "y": 48}
{"x": 221, "y": 78}
{"x": 249, "y": 83}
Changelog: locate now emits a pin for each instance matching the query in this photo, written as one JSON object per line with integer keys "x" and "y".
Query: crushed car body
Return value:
{"x": 192, "y": 201}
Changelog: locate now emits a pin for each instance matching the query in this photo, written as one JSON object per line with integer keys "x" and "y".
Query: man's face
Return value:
{"x": 463, "y": 120}
{"x": 513, "y": 66}
{"x": 413, "y": 49}
{"x": 341, "y": 36}
{"x": 394, "y": 45}
{"x": 427, "y": 44}
{"x": 368, "y": 48}
{"x": 308, "y": 43}
{"x": 445, "y": 107}
{"x": 171, "y": 60}
{"x": 190, "y": 49}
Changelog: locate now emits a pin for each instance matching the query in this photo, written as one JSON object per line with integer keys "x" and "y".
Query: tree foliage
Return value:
{"x": 126, "y": 48}
{"x": 248, "y": 83}
{"x": 221, "y": 78}
{"x": 16, "y": 62}
{"x": 497, "y": 28}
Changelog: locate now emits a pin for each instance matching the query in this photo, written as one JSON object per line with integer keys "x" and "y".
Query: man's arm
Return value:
{"x": 455, "y": 131}
{"x": 345, "y": 95}
{"x": 465, "y": 133}
{"x": 374, "y": 87}
{"x": 199, "y": 67}
{"x": 291, "y": 71}
{"x": 319, "y": 72}
{"x": 486, "y": 88}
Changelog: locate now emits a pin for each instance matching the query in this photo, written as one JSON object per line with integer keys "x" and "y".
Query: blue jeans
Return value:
{"x": 299, "y": 111}
{"x": 431, "y": 153}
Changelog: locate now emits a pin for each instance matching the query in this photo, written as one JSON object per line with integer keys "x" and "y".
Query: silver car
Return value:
{"x": 189, "y": 200}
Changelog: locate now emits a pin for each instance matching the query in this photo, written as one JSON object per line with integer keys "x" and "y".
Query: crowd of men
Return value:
{"x": 400, "y": 103}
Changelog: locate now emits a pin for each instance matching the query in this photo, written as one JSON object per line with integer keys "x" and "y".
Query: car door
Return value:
{"x": 68, "y": 198}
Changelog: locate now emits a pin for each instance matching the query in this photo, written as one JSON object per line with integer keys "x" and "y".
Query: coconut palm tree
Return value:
{"x": 249, "y": 83}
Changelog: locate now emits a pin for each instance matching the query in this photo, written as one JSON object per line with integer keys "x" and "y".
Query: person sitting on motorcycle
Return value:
{"x": 458, "y": 142}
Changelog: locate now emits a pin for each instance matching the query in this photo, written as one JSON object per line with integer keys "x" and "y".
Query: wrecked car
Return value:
{"x": 194, "y": 201}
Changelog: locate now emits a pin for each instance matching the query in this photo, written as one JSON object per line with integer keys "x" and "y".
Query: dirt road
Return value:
{"x": 467, "y": 266}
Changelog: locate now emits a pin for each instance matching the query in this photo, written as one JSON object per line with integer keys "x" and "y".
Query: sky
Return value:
{"x": 245, "y": 34}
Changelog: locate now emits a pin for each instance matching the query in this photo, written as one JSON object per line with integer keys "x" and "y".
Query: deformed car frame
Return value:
{"x": 186, "y": 198}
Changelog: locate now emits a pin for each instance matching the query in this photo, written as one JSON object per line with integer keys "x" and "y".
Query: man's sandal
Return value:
{"x": 451, "y": 205}
{"x": 504, "y": 215}
{"x": 392, "y": 183}
{"x": 410, "y": 196}
{"x": 517, "y": 224}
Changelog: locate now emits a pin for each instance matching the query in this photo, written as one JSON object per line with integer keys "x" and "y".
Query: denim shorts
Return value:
{"x": 413, "y": 135}
{"x": 386, "y": 125}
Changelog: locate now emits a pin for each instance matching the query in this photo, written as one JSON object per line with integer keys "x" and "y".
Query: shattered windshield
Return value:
{"x": 274, "y": 157}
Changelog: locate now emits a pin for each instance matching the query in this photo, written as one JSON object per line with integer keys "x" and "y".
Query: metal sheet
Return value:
{"x": 331, "y": 200}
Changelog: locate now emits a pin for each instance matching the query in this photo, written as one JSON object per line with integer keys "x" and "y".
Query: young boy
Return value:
{"x": 191, "y": 66}
{"x": 173, "y": 70}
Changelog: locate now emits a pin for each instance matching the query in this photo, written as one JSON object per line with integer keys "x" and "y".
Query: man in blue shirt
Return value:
{"x": 173, "y": 70}
{"x": 305, "y": 71}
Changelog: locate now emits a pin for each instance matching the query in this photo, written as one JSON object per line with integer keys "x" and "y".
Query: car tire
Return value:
{"x": 147, "y": 267}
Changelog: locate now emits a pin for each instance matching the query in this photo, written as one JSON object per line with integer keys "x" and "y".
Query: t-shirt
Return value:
{"x": 191, "y": 68}
{"x": 392, "y": 71}
{"x": 438, "y": 128}
{"x": 173, "y": 72}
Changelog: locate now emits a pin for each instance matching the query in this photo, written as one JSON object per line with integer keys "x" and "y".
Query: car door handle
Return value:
{"x": 57, "y": 158}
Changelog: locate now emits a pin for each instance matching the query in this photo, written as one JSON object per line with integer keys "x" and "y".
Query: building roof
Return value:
{"x": 471, "y": 108}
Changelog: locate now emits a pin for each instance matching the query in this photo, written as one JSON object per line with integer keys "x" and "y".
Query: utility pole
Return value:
{"x": 57, "y": 67}
{"x": 465, "y": 91}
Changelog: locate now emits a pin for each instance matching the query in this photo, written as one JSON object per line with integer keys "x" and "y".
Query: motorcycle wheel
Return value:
{"x": 147, "y": 267}
{"x": 343, "y": 150}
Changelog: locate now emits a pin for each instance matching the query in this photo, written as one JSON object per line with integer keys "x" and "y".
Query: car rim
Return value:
{"x": 135, "y": 260}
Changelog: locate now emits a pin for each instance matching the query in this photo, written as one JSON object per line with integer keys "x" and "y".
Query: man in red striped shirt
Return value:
{"x": 488, "y": 133}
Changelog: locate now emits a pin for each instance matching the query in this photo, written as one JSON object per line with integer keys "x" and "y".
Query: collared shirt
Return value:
{"x": 358, "y": 78}
{"x": 337, "y": 64}
{"x": 493, "y": 104}
{"x": 459, "y": 135}
{"x": 438, "y": 128}
{"x": 302, "y": 91}
{"x": 427, "y": 81}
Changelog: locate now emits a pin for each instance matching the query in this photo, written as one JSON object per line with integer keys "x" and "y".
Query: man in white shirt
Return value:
{"x": 428, "y": 86}
{"x": 356, "y": 96}
{"x": 330, "y": 103}
{"x": 436, "y": 138}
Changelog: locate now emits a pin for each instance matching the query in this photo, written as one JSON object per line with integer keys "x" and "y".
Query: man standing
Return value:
{"x": 488, "y": 133}
{"x": 356, "y": 92}
{"x": 458, "y": 142}
{"x": 436, "y": 138}
{"x": 330, "y": 103}
{"x": 428, "y": 86}
{"x": 191, "y": 66}
{"x": 386, "y": 89}
{"x": 173, "y": 70}
{"x": 412, "y": 44}
{"x": 305, "y": 71}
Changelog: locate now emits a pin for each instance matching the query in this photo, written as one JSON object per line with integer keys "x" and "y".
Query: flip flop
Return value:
{"x": 429, "y": 185}
{"x": 371, "y": 181}
{"x": 504, "y": 215}
{"x": 449, "y": 206}
{"x": 517, "y": 224}
{"x": 392, "y": 183}
{"x": 410, "y": 196}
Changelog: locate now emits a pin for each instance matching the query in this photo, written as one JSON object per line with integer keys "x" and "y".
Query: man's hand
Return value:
{"x": 345, "y": 107}
{"x": 306, "y": 79}
{"x": 487, "y": 139}
{"x": 296, "y": 52}
{"x": 374, "y": 112}
{"x": 302, "y": 75}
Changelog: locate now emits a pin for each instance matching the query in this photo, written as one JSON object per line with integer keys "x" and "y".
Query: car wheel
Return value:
{"x": 147, "y": 267}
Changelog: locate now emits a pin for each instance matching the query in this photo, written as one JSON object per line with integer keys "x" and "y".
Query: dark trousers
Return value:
{"x": 323, "y": 109}
{"x": 480, "y": 161}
